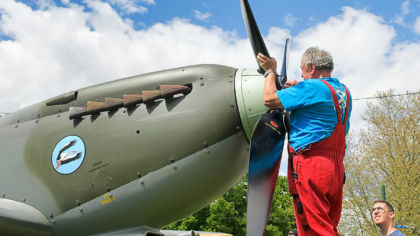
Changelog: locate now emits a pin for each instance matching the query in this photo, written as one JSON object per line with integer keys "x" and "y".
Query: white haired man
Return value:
{"x": 320, "y": 108}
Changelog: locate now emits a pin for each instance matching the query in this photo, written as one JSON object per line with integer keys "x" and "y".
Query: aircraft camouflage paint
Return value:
{"x": 147, "y": 163}
{"x": 127, "y": 156}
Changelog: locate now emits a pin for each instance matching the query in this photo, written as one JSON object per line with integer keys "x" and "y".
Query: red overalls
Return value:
{"x": 316, "y": 177}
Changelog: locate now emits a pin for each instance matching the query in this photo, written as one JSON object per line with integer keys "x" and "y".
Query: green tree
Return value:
{"x": 386, "y": 152}
{"x": 196, "y": 221}
{"x": 228, "y": 213}
{"x": 282, "y": 217}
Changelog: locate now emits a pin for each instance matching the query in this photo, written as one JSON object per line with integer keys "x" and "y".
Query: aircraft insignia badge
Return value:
{"x": 68, "y": 155}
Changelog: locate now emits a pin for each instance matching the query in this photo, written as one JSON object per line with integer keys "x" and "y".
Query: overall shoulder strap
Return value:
{"x": 337, "y": 106}
{"x": 347, "y": 103}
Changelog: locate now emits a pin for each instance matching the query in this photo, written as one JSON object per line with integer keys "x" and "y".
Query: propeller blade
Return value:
{"x": 254, "y": 34}
{"x": 267, "y": 140}
{"x": 282, "y": 78}
{"x": 265, "y": 156}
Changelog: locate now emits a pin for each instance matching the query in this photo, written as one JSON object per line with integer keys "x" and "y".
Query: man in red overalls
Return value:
{"x": 320, "y": 108}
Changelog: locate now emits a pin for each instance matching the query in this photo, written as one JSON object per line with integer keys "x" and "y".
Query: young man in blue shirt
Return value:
{"x": 320, "y": 108}
{"x": 383, "y": 216}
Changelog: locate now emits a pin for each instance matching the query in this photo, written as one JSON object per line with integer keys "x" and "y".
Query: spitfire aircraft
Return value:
{"x": 131, "y": 155}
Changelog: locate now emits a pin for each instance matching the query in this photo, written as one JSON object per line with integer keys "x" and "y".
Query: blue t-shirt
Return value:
{"x": 313, "y": 116}
{"x": 397, "y": 233}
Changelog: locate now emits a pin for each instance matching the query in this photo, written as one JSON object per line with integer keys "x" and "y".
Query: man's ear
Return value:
{"x": 312, "y": 67}
{"x": 392, "y": 215}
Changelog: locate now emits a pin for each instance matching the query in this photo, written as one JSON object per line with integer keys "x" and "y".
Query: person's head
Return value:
{"x": 293, "y": 232}
{"x": 382, "y": 213}
{"x": 316, "y": 63}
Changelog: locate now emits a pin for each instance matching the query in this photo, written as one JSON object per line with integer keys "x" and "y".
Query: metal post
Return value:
{"x": 383, "y": 193}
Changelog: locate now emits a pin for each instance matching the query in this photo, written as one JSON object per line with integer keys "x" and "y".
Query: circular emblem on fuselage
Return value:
{"x": 68, "y": 155}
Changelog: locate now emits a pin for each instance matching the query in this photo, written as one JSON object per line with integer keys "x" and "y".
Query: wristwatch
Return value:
{"x": 269, "y": 72}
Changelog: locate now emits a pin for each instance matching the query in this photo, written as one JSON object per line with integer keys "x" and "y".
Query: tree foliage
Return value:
{"x": 386, "y": 152}
{"x": 228, "y": 213}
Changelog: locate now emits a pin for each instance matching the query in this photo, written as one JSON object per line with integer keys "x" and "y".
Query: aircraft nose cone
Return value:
{"x": 249, "y": 87}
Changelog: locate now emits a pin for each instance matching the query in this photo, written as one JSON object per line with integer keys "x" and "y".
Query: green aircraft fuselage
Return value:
{"x": 148, "y": 163}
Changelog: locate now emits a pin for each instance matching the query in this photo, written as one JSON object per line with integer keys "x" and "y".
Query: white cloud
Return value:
{"x": 201, "y": 15}
{"x": 405, "y": 7}
{"x": 130, "y": 6}
{"x": 152, "y": 2}
{"x": 405, "y": 10}
{"x": 359, "y": 42}
{"x": 44, "y": 3}
{"x": 289, "y": 20}
{"x": 275, "y": 42}
{"x": 400, "y": 20}
{"x": 416, "y": 27}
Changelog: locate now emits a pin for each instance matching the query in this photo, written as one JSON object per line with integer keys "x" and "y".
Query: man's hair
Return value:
{"x": 318, "y": 57}
{"x": 390, "y": 208}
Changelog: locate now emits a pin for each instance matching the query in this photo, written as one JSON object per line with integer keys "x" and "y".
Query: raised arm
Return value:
{"x": 271, "y": 99}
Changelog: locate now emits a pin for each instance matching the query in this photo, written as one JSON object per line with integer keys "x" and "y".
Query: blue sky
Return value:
{"x": 49, "y": 47}
{"x": 294, "y": 15}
